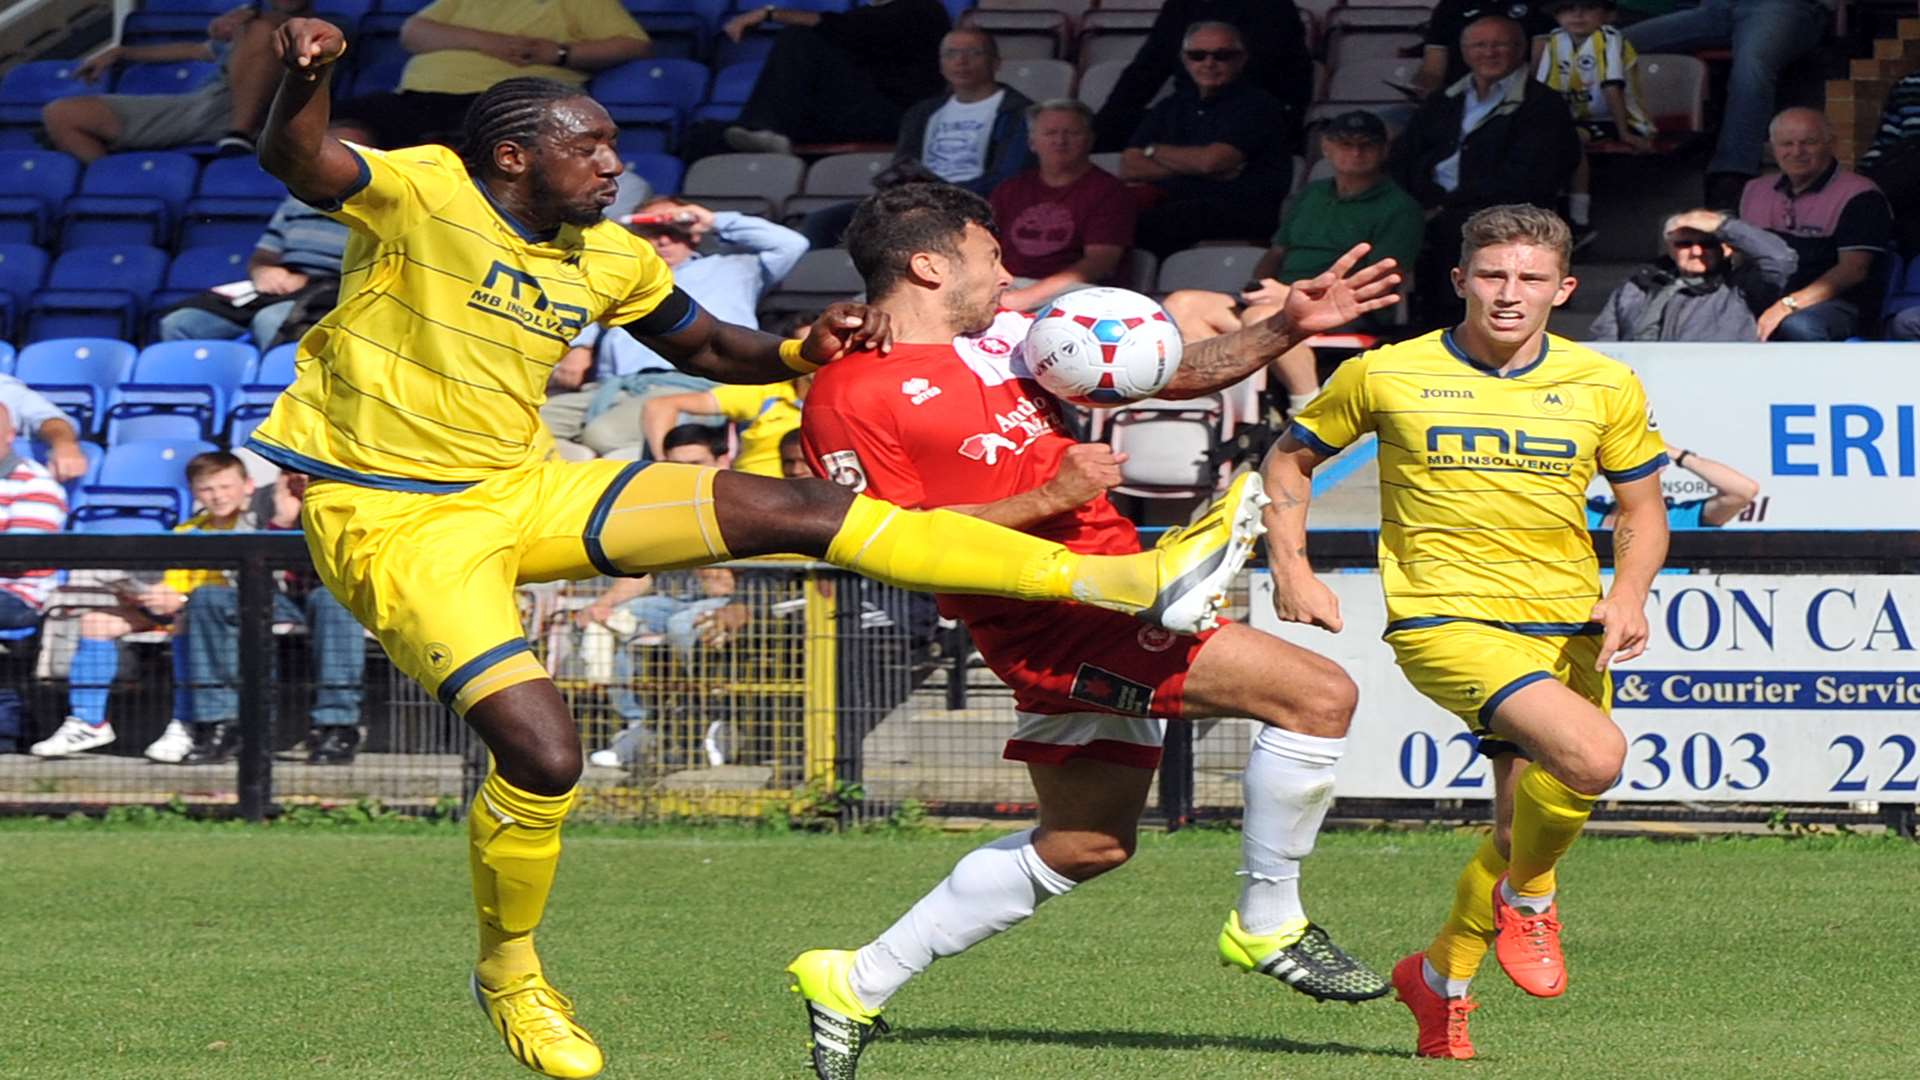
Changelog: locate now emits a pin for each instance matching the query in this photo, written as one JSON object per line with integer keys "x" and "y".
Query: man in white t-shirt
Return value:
{"x": 974, "y": 135}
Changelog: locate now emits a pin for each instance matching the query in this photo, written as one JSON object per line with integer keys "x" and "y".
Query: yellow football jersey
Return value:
{"x": 769, "y": 411}
{"x": 1483, "y": 478}
{"x": 429, "y": 374}
{"x": 469, "y": 71}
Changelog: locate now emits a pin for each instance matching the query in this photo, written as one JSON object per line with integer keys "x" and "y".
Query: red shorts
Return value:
{"x": 1069, "y": 659}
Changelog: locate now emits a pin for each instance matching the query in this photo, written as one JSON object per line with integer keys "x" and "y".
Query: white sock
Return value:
{"x": 1297, "y": 402}
{"x": 989, "y": 890}
{"x": 1532, "y": 905}
{"x": 1440, "y": 984}
{"x": 1289, "y": 786}
{"x": 1580, "y": 207}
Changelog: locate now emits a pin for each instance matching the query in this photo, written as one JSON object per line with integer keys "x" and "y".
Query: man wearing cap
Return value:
{"x": 1718, "y": 272}
{"x": 1360, "y": 203}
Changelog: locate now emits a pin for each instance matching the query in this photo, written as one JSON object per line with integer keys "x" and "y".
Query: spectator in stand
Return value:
{"x": 227, "y": 111}
{"x": 212, "y": 627}
{"x": 768, "y": 413}
{"x": 1065, "y": 223}
{"x": 1765, "y": 36}
{"x": 1838, "y": 223}
{"x": 461, "y": 47}
{"x": 295, "y": 274}
{"x": 1442, "y": 63}
{"x": 839, "y": 75}
{"x": 31, "y": 501}
{"x": 973, "y": 134}
{"x": 1215, "y": 155}
{"x": 1893, "y": 163}
{"x": 1592, "y": 64}
{"x": 1360, "y": 203}
{"x": 1495, "y": 137}
{"x": 43, "y": 422}
{"x": 597, "y": 391}
{"x": 1277, "y": 62}
{"x": 1733, "y": 492}
{"x": 1718, "y": 271}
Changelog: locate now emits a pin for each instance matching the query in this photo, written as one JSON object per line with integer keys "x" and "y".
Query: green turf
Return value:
{"x": 280, "y": 954}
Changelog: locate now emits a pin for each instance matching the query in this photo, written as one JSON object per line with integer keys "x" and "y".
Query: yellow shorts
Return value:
{"x": 433, "y": 575}
{"x": 1469, "y": 668}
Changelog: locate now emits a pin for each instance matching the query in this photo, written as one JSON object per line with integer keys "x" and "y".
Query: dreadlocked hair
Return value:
{"x": 509, "y": 111}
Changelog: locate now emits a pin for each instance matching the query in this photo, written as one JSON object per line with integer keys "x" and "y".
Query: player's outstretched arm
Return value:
{"x": 1298, "y": 596}
{"x": 725, "y": 352}
{"x": 1639, "y": 550}
{"x": 1314, "y": 306}
{"x": 294, "y": 145}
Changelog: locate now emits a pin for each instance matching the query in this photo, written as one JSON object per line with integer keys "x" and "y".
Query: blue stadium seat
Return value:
{"x": 731, "y": 85}
{"x": 751, "y": 49}
{"x": 104, "y": 286}
{"x": 404, "y": 7}
{"x": 179, "y": 380}
{"x": 661, "y": 171}
{"x": 380, "y": 66}
{"x": 197, "y": 269}
{"x": 175, "y": 78}
{"x": 31, "y": 85}
{"x": 6, "y": 358}
{"x": 127, "y": 197}
{"x": 34, "y": 185}
{"x": 146, "y": 479}
{"x": 677, "y": 35}
{"x": 254, "y": 400}
{"x": 132, "y": 524}
{"x": 651, "y": 93}
{"x": 23, "y": 269}
{"x": 165, "y": 27}
{"x": 345, "y": 14}
{"x": 77, "y": 374}
{"x": 208, "y": 8}
{"x": 235, "y": 201}
{"x": 1903, "y": 286}
{"x": 642, "y": 140}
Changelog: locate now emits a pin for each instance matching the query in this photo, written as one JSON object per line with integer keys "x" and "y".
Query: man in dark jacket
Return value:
{"x": 1277, "y": 62}
{"x": 1717, "y": 273}
{"x": 838, "y": 75}
{"x": 1494, "y": 137}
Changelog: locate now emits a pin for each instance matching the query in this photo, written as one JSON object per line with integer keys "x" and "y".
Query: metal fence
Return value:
{"x": 785, "y": 687}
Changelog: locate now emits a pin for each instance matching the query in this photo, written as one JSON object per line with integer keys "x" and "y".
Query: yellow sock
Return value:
{"x": 513, "y": 848}
{"x": 1462, "y": 943}
{"x": 942, "y": 551}
{"x": 1547, "y": 818}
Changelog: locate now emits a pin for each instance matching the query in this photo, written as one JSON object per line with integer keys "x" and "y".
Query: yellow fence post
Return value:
{"x": 822, "y": 681}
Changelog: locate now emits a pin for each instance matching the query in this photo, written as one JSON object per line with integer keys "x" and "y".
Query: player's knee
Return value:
{"x": 61, "y": 115}
{"x": 551, "y": 768}
{"x": 1594, "y": 769}
{"x": 1321, "y": 704}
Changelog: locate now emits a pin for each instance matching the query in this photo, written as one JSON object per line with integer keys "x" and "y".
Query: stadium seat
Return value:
{"x": 1169, "y": 446}
{"x": 23, "y": 269}
{"x": 34, "y": 185}
{"x": 750, "y": 49}
{"x": 1215, "y": 269}
{"x": 643, "y": 140}
{"x": 1041, "y": 80}
{"x": 1347, "y": 44}
{"x": 190, "y": 379}
{"x": 151, "y": 27}
{"x": 235, "y": 200}
{"x": 731, "y": 85}
{"x": 104, "y": 286}
{"x": 197, "y": 269}
{"x": 755, "y": 183}
{"x": 835, "y": 179}
{"x": 146, "y": 479}
{"x": 31, "y": 85}
{"x": 1674, "y": 90}
{"x": 77, "y": 374}
{"x": 1097, "y": 83}
{"x": 255, "y": 398}
{"x": 1109, "y": 46}
{"x": 345, "y": 14}
{"x": 131, "y": 523}
{"x": 1379, "y": 15}
{"x": 175, "y": 78}
{"x": 1028, "y": 29}
{"x": 6, "y": 358}
{"x": 677, "y": 35}
{"x": 402, "y": 7}
{"x": 129, "y": 197}
{"x": 1140, "y": 271}
{"x": 1903, "y": 286}
{"x": 651, "y": 93}
{"x": 820, "y": 278}
{"x": 662, "y": 172}
{"x": 1372, "y": 80}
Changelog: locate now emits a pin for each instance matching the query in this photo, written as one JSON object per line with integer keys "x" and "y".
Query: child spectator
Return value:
{"x": 1593, "y": 65}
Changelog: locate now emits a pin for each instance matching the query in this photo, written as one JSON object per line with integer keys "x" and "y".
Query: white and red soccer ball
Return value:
{"x": 1102, "y": 347}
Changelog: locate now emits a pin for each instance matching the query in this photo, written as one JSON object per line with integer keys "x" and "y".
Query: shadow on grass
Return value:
{"x": 1144, "y": 1040}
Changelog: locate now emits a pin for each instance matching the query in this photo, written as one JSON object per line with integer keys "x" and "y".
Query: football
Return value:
{"x": 1102, "y": 347}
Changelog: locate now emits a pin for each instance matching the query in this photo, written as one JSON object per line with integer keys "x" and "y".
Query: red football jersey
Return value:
{"x": 927, "y": 426}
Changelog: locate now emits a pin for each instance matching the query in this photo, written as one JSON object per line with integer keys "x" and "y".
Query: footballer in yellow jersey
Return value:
{"x": 1489, "y": 434}
{"x": 415, "y": 410}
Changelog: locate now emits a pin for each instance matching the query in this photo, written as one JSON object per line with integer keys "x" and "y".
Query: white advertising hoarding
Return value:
{"x": 1754, "y": 688}
{"x": 1829, "y": 431}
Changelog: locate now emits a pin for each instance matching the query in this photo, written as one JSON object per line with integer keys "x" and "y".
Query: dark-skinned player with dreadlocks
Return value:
{"x": 435, "y": 491}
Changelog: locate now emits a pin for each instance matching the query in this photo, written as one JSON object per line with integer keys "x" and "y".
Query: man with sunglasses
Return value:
{"x": 1718, "y": 271}
{"x": 1215, "y": 153}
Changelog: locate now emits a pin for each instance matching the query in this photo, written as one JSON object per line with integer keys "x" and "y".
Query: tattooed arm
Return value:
{"x": 1639, "y": 550}
{"x": 1314, "y": 306}
{"x": 1298, "y": 596}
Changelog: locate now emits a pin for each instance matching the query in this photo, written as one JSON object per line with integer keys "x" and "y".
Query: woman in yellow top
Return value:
{"x": 769, "y": 411}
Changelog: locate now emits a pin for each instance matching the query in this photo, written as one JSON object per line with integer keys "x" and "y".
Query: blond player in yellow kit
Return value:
{"x": 1489, "y": 434}
{"x": 435, "y": 491}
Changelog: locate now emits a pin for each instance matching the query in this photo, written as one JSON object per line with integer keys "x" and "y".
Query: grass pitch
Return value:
{"x": 283, "y": 953}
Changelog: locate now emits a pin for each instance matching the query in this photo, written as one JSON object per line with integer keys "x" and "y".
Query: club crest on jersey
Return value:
{"x": 1155, "y": 638}
{"x": 516, "y": 296}
{"x": 1557, "y": 401}
{"x": 919, "y": 391}
{"x": 843, "y": 468}
{"x": 994, "y": 346}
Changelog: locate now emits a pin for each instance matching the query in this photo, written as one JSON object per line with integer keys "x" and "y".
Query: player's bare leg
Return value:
{"x": 1305, "y": 703}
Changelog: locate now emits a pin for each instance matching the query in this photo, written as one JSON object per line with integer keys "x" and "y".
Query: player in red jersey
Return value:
{"x": 948, "y": 419}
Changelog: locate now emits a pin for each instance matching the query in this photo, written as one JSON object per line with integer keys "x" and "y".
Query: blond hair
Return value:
{"x": 1516, "y": 223}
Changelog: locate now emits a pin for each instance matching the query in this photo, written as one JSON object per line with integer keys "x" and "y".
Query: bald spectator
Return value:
{"x": 1718, "y": 272}
{"x": 1216, "y": 153}
{"x": 461, "y": 47}
{"x": 227, "y": 111}
{"x": 1067, "y": 222}
{"x": 1494, "y": 137}
{"x": 1277, "y": 61}
{"x": 1836, "y": 220}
